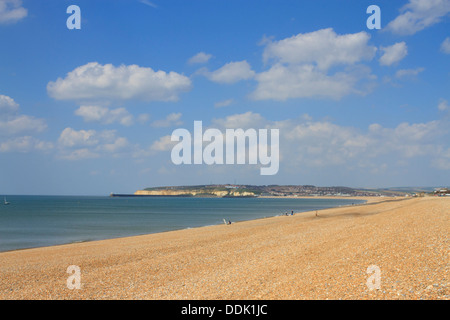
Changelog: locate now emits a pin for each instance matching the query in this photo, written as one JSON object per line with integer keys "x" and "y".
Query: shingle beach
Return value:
{"x": 303, "y": 256}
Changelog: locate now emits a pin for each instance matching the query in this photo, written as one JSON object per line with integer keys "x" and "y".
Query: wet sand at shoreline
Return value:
{"x": 285, "y": 257}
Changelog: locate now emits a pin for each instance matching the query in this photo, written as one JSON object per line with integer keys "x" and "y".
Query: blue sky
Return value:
{"x": 91, "y": 111}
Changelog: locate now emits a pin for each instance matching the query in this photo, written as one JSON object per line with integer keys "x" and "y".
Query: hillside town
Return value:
{"x": 267, "y": 191}
{"x": 444, "y": 192}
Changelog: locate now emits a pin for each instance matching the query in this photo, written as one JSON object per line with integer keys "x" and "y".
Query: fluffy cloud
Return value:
{"x": 223, "y": 103}
{"x": 443, "y": 161}
{"x": 117, "y": 144}
{"x": 105, "y": 115}
{"x": 231, "y": 72}
{"x": 24, "y": 144}
{"x": 143, "y": 118}
{"x": 11, "y": 11}
{"x": 322, "y": 144}
{"x": 163, "y": 144}
{"x": 443, "y": 105}
{"x": 303, "y": 81}
{"x": 323, "y": 48}
{"x": 8, "y": 105}
{"x": 20, "y": 124}
{"x": 172, "y": 119}
{"x": 240, "y": 121}
{"x": 200, "y": 57}
{"x": 408, "y": 72}
{"x": 300, "y": 66}
{"x": 94, "y": 81}
{"x": 418, "y": 15}
{"x": 12, "y": 123}
{"x": 70, "y": 138}
{"x": 393, "y": 54}
{"x": 79, "y": 154}
{"x": 312, "y": 149}
{"x": 445, "y": 46}
{"x": 85, "y": 144}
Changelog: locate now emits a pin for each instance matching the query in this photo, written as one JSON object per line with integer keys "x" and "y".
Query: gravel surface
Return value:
{"x": 286, "y": 257}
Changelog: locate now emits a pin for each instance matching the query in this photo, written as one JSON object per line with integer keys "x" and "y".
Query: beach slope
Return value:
{"x": 287, "y": 257}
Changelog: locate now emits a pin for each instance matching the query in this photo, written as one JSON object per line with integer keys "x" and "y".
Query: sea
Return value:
{"x": 39, "y": 221}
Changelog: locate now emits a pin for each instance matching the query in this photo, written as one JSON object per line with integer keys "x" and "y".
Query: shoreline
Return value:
{"x": 367, "y": 199}
{"x": 280, "y": 257}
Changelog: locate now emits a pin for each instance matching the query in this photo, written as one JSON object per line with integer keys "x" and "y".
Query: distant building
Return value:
{"x": 442, "y": 192}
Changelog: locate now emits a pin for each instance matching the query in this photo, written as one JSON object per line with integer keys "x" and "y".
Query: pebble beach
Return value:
{"x": 329, "y": 254}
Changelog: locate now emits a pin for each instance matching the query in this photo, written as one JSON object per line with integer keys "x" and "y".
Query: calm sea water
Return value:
{"x": 37, "y": 221}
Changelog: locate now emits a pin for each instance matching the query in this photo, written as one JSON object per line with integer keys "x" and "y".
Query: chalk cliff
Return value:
{"x": 195, "y": 193}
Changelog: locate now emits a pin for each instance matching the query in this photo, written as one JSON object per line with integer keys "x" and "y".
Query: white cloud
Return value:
{"x": 11, "y": 11}
{"x": 323, "y": 48}
{"x": 12, "y": 123}
{"x": 20, "y": 124}
{"x": 310, "y": 148}
{"x": 84, "y": 144}
{"x": 299, "y": 66}
{"x": 25, "y": 144}
{"x": 305, "y": 81}
{"x": 415, "y": 132}
{"x": 231, "y": 72}
{"x": 445, "y": 46}
{"x": 94, "y": 81}
{"x": 311, "y": 143}
{"x": 143, "y": 118}
{"x": 105, "y": 115}
{"x": 443, "y": 161}
{"x": 200, "y": 57}
{"x": 443, "y": 105}
{"x": 8, "y": 105}
{"x": 116, "y": 145}
{"x": 417, "y": 15}
{"x": 393, "y": 54}
{"x": 163, "y": 144}
{"x": 73, "y": 138}
{"x": 172, "y": 119}
{"x": 79, "y": 154}
{"x": 324, "y": 143}
{"x": 148, "y": 3}
{"x": 223, "y": 103}
{"x": 408, "y": 72}
{"x": 240, "y": 121}
{"x": 236, "y": 121}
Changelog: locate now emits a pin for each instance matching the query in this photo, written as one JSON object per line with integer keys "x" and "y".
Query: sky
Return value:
{"x": 91, "y": 111}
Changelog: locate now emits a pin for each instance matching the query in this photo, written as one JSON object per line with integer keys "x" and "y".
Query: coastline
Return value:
{"x": 366, "y": 199}
{"x": 267, "y": 253}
